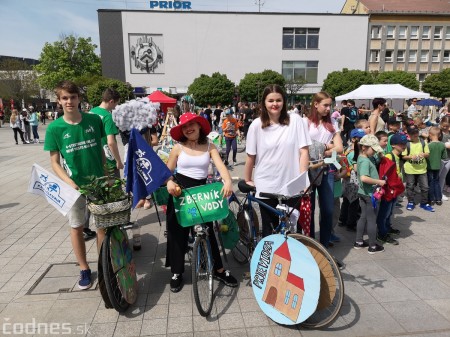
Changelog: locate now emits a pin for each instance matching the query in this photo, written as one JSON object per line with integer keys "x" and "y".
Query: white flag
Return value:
{"x": 58, "y": 193}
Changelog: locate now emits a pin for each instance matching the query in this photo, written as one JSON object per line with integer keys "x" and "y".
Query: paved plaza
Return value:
{"x": 404, "y": 291}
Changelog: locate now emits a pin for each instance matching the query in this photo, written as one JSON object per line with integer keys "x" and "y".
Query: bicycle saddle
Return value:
{"x": 245, "y": 188}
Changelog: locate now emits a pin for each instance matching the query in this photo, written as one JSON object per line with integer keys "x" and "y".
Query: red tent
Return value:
{"x": 166, "y": 101}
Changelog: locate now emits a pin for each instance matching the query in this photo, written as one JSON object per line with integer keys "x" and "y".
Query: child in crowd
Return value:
{"x": 415, "y": 168}
{"x": 444, "y": 176}
{"x": 385, "y": 229}
{"x": 382, "y": 139}
{"x": 350, "y": 210}
{"x": 393, "y": 128}
{"x": 368, "y": 179}
{"x": 437, "y": 152}
{"x": 363, "y": 124}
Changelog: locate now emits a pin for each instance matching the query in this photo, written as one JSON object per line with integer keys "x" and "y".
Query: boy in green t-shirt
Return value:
{"x": 415, "y": 168}
{"x": 368, "y": 178}
{"x": 76, "y": 138}
{"x": 437, "y": 153}
{"x": 110, "y": 99}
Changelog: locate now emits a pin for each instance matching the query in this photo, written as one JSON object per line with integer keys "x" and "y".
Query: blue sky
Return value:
{"x": 28, "y": 24}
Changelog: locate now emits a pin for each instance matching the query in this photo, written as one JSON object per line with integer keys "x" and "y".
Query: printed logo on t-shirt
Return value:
{"x": 66, "y": 136}
{"x": 90, "y": 129}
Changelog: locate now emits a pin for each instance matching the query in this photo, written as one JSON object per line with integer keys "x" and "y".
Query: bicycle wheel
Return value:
{"x": 202, "y": 276}
{"x": 331, "y": 285}
{"x": 119, "y": 269}
{"x": 241, "y": 145}
{"x": 101, "y": 281}
{"x": 243, "y": 250}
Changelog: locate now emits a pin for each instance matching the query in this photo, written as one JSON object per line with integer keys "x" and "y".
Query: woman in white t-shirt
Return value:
{"x": 277, "y": 149}
{"x": 323, "y": 129}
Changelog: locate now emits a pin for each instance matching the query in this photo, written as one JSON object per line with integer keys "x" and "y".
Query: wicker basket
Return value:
{"x": 111, "y": 214}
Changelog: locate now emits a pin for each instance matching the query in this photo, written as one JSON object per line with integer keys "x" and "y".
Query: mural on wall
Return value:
{"x": 146, "y": 53}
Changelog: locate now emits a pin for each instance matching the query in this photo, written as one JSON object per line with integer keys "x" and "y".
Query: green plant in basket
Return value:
{"x": 104, "y": 190}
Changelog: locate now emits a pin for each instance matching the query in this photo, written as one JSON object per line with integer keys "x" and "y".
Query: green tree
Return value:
{"x": 340, "y": 82}
{"x": 94, "y": 92}
{"x": 293, "y": 86}
{"x": 67, "y": 59}
{"x": 397, "y": 77}
{"x": 253, "y": 84}
{"x": 438, "y": 85}
{"x": 17, "y": 80}
{"x": 213, "y": 89}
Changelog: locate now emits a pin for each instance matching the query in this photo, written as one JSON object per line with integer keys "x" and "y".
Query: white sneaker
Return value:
{"x": 444, "y": 198}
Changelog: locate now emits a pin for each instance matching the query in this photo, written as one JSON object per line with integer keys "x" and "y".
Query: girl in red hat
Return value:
{"x": 191, "y": 157}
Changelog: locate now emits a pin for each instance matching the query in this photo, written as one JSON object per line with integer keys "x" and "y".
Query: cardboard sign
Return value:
{"x": 200, "y": 204}
{"x": 285, "y": 279}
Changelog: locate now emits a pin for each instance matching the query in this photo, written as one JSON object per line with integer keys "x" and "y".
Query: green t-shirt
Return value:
{"x": 366, "y": 168}
{"x": 416, "y": 167}
{"x": 110, "y": 129}
{"x": 79, "y": 146}
{"x": 437, "y": 152}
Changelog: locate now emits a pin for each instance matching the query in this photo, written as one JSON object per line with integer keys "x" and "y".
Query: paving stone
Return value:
{"x": 63, "y": 311}
{"x": 416, "y": 316}
{"x": 131, "y": 328}
{"x": 180, "y": 309}
{"x": 106, "y": 316}
{"x": 154, "y": 327}
{"x": 231, "y": 321}
{"x": 427, "y": 287}
{"x": 27, "y": 312}
{"x": 179, "y": 325}
{"x": 265, "y": 331}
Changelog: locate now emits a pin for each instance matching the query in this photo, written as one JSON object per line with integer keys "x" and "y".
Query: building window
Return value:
{"x": 287, "y": 297}
{"x": 390, "y": 32}
{"x": 437, "y": 32}
{"x": 294, "y": 301}
{"x": 389, "y": 56}
{"x": 402, "y": 31}
{"x": 447, "y": 33}
{"x": 376, "y": 32}
{"x": 424, "y": 56}
{"x": 413, "y": 56}
{"x": 414, "y": 32}
{"x": 400, "y": 56}
{"x": 446, "y": 57}
{"x": 278, "y": 268}
{"x": 374, "y": 56}
{"x": 436, "y": 56}
{"x": 298, "y": 70}
{"x": 422, "y": 77}
{"x": 425, "y": 32}
{"x": 301, "y": 38}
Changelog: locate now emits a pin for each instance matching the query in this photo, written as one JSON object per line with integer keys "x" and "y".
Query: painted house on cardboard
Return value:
{"x": 284, "y": 290}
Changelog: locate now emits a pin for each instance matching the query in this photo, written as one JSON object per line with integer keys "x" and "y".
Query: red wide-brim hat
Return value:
{"x": 177, "y": 132}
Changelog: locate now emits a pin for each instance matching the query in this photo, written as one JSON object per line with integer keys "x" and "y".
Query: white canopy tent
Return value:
{"x": 371, "y": 91}
{"x": 395, "y": 92}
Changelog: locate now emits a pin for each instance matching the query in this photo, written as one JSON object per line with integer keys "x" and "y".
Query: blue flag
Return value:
{"x": 144, "y": 170}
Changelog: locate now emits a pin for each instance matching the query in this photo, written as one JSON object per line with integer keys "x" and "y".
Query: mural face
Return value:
{"x": 146, "y": 53}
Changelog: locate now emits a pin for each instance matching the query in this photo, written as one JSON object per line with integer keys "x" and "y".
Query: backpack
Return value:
{"x": 408, "y": 146}
{"x": 353, "y": 115}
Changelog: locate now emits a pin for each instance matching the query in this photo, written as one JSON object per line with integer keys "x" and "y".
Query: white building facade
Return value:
{"x": 167, "y": 50}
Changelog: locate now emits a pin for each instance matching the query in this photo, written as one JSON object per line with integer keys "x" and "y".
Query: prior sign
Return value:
{"x": 170, "y": 4}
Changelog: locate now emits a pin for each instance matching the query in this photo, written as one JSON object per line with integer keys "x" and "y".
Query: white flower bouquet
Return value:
{"x": 137, "y": 113}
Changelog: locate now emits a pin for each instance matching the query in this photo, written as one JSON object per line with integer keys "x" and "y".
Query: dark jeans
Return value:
{"x": 367, "y": 221}
{"x": 18, "y": 130}
{"x": 434, "y": 192}
{"x": 417, "y": 179}
{"x": 35, "y": 133}
{"x": 231, "y": 142}
{"x": 325, "y": 193}
{"x": 177, "y": 236}
{"x": 346, "y": 133}
{"x": 384, "y": 216}
{"x": 350, "y": 212}
{"x": 270, "y": 220}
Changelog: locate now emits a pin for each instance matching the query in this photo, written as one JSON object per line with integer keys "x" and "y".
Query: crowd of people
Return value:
{"x": 379, "y": 156}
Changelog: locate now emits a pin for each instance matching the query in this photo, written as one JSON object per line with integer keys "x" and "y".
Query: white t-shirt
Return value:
{"x": 320, "y": 134}
{"x": 277, "y": 149}
{"x": 411, "y": 110}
